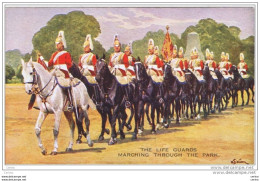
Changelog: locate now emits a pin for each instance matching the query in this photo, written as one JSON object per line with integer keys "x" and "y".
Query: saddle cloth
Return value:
{"x": 154, "y": 76}
{"x": 213, "y": 74}
{"x": 179, "y": 75}
{"x": 65, "y": 82}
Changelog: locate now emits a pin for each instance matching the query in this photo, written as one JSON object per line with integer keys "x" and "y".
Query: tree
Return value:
{"x": 9, "y": 72}
{"x": 13, "y": 58}
{"x": 76, "y": 25}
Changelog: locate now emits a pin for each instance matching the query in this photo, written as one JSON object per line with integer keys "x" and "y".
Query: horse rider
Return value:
{"x": 242, "y": 66}
{"x": 211, "y": 63}
{"x": 152, "y": 62}
{"x": 195, "y": 64}
{"x": 88, "y": 60}
{"x": 119, "y": 63}
{"x": 156, "y": 52}
{"x": 177, "y": 63}
{"x": 228, "y": 63}
{"x": 222, "y": 64}
{"x": 127, "y": 56}
{"x": 62, "y": 62}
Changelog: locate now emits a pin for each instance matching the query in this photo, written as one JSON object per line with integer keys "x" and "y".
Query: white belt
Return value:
{"x": 153, "y": 67}
{"x": 223, "y": 69}
{"x": 89, "y": 67}
{"x": 212, "y": 69}
{"x": 130, "y": 68}
{"x": 61, "y": 66}
{"x": 240, "y": 70}
{"x": 120, "y": 66}
{"x": 177, "y": 69}
{"x": 197, "y": 68}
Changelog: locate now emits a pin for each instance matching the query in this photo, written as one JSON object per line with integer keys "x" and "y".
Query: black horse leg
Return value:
{"x": 123, "y": 117}
{"x": 112, "y": 120}
{"x": 147, "y": 112}
{"x": 242, "y": 97}
{"x": 253, "y": 93}
{"x": 79, "y": 126}
{"x": 152, "y": 117}
{"x": 248, "y": 96}
{"x": 177, "y": 107}
{"x": 137, "y": 121}
{"x": 128, "y": 124}
{"x": 103, "y": 125}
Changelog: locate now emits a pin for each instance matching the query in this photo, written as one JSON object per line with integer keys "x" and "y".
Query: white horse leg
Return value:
{"x": 56, "y": 131}
{"x": 69, "y": 117}
{"x": 42, "y": 116}
{"x": 87, "y": 122}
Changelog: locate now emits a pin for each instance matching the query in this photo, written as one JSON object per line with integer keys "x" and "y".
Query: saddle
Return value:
{"x": 213, "y": 74}
{"x": 65, "y": 82}
{"x": 154, "y": 75}
{"x": 179, "y": 75}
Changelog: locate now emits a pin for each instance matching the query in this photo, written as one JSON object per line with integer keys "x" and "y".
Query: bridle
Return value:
{"x": 35, "y": 87}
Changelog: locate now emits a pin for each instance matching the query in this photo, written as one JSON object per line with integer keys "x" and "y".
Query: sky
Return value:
{"x": 21, "y": 23}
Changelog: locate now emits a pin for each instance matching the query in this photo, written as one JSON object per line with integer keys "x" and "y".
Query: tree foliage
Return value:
{"x": 76, "y": 25}
{"x": 9, "y": 72}
{"x": 13, "y": 58}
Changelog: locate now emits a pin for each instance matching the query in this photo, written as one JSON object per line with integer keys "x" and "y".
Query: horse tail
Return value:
{"x": 90, "y": 101}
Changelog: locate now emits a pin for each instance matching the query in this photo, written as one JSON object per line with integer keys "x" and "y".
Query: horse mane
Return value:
{"x": 42, "y": 71}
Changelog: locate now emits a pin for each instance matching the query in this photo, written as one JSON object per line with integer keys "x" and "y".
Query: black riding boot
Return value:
{"x": 70, "y": 106}
{"x": 127, "y": 102}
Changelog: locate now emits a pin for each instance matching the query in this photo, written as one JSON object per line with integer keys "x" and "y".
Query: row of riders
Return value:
{"x": 125, "y": 82}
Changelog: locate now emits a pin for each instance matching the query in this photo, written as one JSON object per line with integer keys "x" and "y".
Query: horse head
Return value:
{"x": 102, "y": 70}
{"x": 29, "y": 75}
{"x": 167, "y": 70}
{"x": 233, "y": 69}
{"x": 139, "y": 69}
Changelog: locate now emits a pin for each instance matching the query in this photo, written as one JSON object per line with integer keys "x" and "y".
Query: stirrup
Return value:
{"x": 127, "y": 104}
{"x": 70, "y": 108}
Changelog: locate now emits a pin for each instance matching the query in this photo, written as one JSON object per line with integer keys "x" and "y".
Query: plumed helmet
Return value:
{"x": 61, "y": 39}
{"x": 88, "y": 42}
{"x": 150, "y": 44}
{"x": 116, "y": 40}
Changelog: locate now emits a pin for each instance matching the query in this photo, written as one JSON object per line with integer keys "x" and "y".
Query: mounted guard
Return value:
{"x": 211, "y": 63}
{"x": 196, "y": 65}
{"x": 127, "y": 57}
{"x": 153, "y": 63}
{"x": 88, "y": 60}
{"x": 242, "y": 66}
{"x": 156, "y": 52}
{"x": 177, "y": 64}
{"x": 119, "y": 64}
{"x": 62, "y": 62}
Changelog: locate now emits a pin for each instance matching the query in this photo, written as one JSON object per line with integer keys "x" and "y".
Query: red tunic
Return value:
{"x": 93, "y": 62}
{"x": 64, "y": 58}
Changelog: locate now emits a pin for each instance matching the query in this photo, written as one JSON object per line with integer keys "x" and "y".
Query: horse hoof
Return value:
{"x": 91, "y": 144}
{"x": 134, "y": 137}
{"x": 101, "y": 138}
{"x": 129, "y": 127}
{"x": 44, "y": 152}
{"x": 153, "y": 132}
{"x": 166, "y": 125}
{"x": 69, "y": 149}
{"x": 161, "y": 100}
{"x": 212, "y": 111}
{"x": 122, "y": 136}
{"x": 54, "y": 153}
{"x": 78, "y": 141}
{"x": 158, "y": 126}
{"x": 112, "y": 141}
{"x": 178, "y": 122}
{"x": 107, "y": 131}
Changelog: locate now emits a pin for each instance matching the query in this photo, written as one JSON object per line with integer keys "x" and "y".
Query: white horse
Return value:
{"x": 51, "y": 99}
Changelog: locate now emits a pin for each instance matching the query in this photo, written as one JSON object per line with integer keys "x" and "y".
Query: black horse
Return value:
{"x": 211, "y": 88}
{"x": 147, "y": 91}
{"x": 195, "y": 93}
{"x": 224, "y": 88}
{"x": 94, "y": 93}
{"x": 113, "y": 98}
{"x": 240, "y": 84}
{"x": 171, "y": 92}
